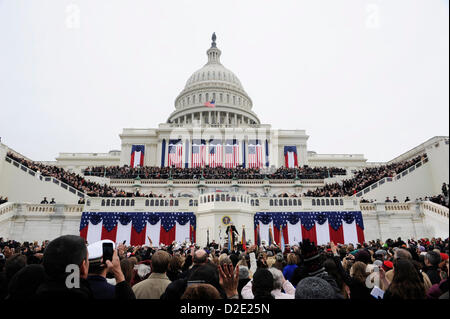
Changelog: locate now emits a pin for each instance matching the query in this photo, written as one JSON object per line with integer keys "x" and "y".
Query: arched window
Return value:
{"x": 107, "y": 202}
{"x": 275, "y": 202}
{"x": 295, "y": 202}
{"x": 156, "y": 202}
{"x": 132, "y": 202}
{"x": 323, "y": 202}
{"x": 103, "y": 202}
{"x": 117, "y": 202}
{"x": 314, "y": 202}
{"x": 257, "y": 202}
{"x": 252, "y": 202}
{"x": 285, "y": 202}
{"x": 146, "y": 202}
{"x": 290, "y": 202}
{"x": 176, "y": 202}
{"x": 127, "y": 202}
{"x": 217, "y": 197}
{"x": 332, "y": 201}
{"x": 271, "y": 202}
{"x": 228, "y": 98}
{"x": 190, "y": 202}
{"x": 280, "y": 202}
{"x": 200, "y": 98}
{"x": 171, "y": 202}
{"x": 299, "y": 202}
{"x": 152, "y": 202}
{"x": 207, "y": 96}
{"x": 166, "y": 202}
{"x": 342, "y": 202}
{"x": 222, "y": 197}
{"x": 221, "y": 97}
{"x": 193, "y": 98}
{"x": 328, "y": 202}
{"x": 234, "y": 100}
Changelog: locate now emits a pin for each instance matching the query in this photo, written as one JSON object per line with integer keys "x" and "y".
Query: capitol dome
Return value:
{"x": 213, "y": 82}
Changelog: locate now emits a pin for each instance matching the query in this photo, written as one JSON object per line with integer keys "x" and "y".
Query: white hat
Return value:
{"x": 95, "y": 250}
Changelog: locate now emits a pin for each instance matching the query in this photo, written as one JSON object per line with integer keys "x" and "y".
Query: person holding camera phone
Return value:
{"x": 103, "y": 259}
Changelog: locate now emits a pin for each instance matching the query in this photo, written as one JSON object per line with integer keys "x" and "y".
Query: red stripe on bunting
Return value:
{"x": 168, "y": 237}
{"x": 83, "y": 232}
{"x": 137, "y": 238}
{"x": 337, "y": 236}
{"x": 111, "y": 235}
{"x": 141, "y": 162}
{"x": 285, "y": 234}
{"x": 360, "y": 233}
{"x": 311, "y": 234}
{"x": 277, "y": 235}
{"x": 132, "y": 160}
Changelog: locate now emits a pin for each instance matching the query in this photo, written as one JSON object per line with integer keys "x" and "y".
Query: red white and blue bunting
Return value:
{"x": 319, "y": 227}
{"x": 151, "y": 229}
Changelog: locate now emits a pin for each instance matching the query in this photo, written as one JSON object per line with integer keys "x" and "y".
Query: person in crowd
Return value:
{"x": 66, "y": 260}
{"x": 244, "y": 278}
{"x": 432, "y": 260}
{"x": 3, "y": 200}
{"x": 407, "y": 199}
{"x": 289, "y": 269}
{"x": 174, "y": 270}
{"x": 24, "y": 283}
{"x": 155, "y": 285}
{"x": 401, "y": 253}
{"x": 52, "y": 201}
{"x": 201, "y": 292}
{"x": 407, "y": 282}
{"x": 388, "y": 200}
{"x": 395, "y": 200}
{"x": 314, "y": 288}
{"x": 98, "y": 270}
{"x": 44, "y": 201}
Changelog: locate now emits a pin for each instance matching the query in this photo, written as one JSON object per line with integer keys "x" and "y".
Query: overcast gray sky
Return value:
{"x": 360, "y": 76}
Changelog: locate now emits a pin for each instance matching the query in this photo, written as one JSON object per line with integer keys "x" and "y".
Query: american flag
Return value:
{"x": 175, "y": 153}
{"x": 211, "y": 103}
{"x": 215, "y": 153}
{"x": 231, "y": 154}
{"x": 198, "y": 153}
{"x": 255, "y": 154}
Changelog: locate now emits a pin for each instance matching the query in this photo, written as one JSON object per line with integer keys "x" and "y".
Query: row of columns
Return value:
{"x": 214, "y": 115}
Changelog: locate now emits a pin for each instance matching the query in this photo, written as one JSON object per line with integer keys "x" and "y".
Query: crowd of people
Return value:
{"x": 362, "y": 179}
{"x": 74, "y": 180}
{"x": 151, "y": 172}
{"x": 394, "y": 269}
{"x": 3, "y": 200}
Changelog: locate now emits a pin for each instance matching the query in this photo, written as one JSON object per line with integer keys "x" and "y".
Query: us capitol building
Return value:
{"x": 232, "y": 118}
{"x": 214, "y": 124}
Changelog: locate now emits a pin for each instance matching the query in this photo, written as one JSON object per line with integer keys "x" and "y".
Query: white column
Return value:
{"x": 235, "y": 118}
{"x": 201, "y": 118}
{"x": 227, "y": 118}
{"x": 209, "y": 117}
